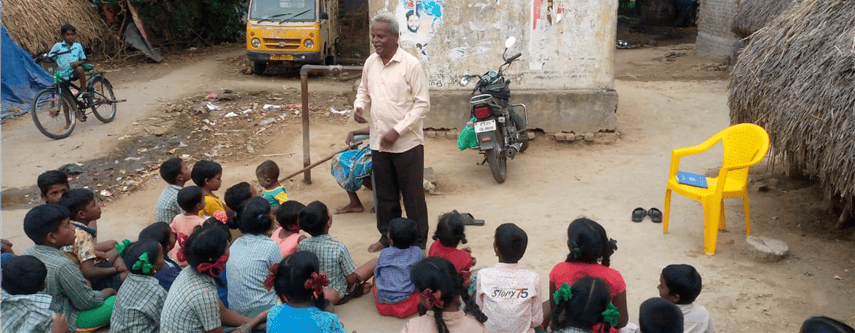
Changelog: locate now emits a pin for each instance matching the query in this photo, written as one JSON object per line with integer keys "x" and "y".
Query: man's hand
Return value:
{"x": 357, "y": 115}
{"x": 6, "y": 246}
{"x": 389, "y": 138}
{"x": 107, "y": 292}
{"x": 59, "y": 324}
{"x": 349, "y": 140}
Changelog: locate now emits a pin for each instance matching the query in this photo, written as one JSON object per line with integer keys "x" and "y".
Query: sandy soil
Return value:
{"x": 667, "y": 104}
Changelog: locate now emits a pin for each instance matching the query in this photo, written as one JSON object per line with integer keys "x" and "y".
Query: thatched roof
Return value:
{"x": 34, "y": 25}
{"x": 796, "y": 78}
{"x": 753, "y": 15}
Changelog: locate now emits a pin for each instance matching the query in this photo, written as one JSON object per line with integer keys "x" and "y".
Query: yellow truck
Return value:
{"x": 293, "y": 31}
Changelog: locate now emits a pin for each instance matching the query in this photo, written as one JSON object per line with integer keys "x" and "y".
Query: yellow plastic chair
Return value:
{"x": 744, "y": 145}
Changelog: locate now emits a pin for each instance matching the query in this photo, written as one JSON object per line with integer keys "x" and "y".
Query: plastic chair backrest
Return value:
{"x": 743, "y": 143}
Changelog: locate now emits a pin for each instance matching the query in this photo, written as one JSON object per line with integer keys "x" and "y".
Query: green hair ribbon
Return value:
{"x": 610, "y": 316}
{"x": 143, "y": 264}
{"x": 122, "y": 247}
{"x": 565, "y": 293}
{"x": 575, "y": 251}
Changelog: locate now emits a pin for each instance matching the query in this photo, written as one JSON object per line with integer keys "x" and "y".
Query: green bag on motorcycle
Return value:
{"x": 467, "y": 137}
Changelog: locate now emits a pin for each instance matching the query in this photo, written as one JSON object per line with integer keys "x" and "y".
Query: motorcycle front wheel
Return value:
{"x": 498, "y": 165}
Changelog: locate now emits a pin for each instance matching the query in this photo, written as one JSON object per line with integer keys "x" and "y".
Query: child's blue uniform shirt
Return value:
{"x": 65, "y": 55}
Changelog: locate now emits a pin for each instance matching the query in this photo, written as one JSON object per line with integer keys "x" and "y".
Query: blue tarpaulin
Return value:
{"x": 22, "y": 78}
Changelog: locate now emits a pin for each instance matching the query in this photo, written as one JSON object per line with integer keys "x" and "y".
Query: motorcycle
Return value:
{"x": 500, "y": 131}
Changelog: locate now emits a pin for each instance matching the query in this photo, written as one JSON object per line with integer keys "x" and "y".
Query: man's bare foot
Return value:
{"x": 376, "y": 247}
{"x": 350, "y": 208}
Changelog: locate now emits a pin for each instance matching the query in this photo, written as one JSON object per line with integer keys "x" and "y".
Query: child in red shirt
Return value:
{"x": 590, "y": 253}
{"x": 448, "y": 235}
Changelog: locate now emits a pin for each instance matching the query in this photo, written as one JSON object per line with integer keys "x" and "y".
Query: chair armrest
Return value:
{"x": 676, "y": 154}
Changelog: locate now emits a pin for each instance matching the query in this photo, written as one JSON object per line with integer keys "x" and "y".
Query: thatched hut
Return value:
{"x": 796, "y": 78}
{"x": 753, "y": 15}
{"x": 34, "y": 25}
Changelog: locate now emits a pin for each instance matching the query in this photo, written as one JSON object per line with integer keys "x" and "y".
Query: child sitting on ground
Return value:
{"x": 448, "y": 235}
{"x": 192, "y": 202}
{"x": 23, "y": 308}
{"x": 140, "y": 299}
{"x": 657, "y": 315}
{"x": 251, "y": 257}
{"x": 49, "y": 228}
{"x": 175, "y": 173}
{"x": 53, "y": 184}
{"x": 393, "y": 290}
{"x": 99, "y": 262}
{"x": 508, "y": 293}
{"x": 580, "y": 307}
{"x": 288, "y": 234}
{"x": 589, "y": 245}
{"x": 208, "y": 175}
{"x": 235, "y": 198}
{"x": 441, "y": 291}
{"x": 192, "y": 304}
{"x": 824, "y": 325}
{"x": 681, "y": 284}
{"x": 299, "y": 283}
{"x": 346, "y": 281}
{"x": 268, "y": 177}
{"x": 162, "y": 233}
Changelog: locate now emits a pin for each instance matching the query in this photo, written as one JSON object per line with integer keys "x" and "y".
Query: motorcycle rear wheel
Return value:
{"x": 498, "y": 165}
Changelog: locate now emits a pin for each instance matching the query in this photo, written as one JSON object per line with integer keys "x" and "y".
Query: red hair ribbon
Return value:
{"x": 220, "y": 265}
{"x": 317, "y": 282}
{"x": 268, "y": 282}
{"x": 433, "y": 298}
{"x": 180, "y": 255}
{"x": 465, "y": 275}
{"x": 221, "y": 216}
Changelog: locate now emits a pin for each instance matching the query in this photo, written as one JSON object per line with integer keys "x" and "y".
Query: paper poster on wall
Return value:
{"x": 419, "y": 20}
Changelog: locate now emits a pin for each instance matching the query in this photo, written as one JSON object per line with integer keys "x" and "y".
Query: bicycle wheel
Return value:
{"x": 103, "y": 100}
{"x": 54, "y": 113}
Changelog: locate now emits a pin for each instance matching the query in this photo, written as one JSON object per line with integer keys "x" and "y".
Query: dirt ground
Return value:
{"x": 669, "y": 97}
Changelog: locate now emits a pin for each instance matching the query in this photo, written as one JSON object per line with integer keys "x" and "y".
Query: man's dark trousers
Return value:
{"x": 396, "y": 175}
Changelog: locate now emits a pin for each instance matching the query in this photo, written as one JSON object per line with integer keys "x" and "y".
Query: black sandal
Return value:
{"x": 655, "y": 215}
{"x": 638, "y": 214}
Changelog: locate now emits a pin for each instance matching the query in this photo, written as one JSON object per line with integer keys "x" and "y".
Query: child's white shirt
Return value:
{"x": 696, "y": 319}
{"x": 510, "y": 297}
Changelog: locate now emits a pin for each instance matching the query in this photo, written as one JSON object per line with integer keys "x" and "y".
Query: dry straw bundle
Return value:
{"x": 753, "y": 15}
{"x": 796, "y": 78}
{"x": 34, "y": 24}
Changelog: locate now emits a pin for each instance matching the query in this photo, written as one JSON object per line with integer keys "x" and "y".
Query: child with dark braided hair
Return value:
{"x": 140, "y": 299}
{"x": 192, "y": 304}
{"x": 441, "y": 291}
{"x": 582, "y": 306}
{"x": 299, "y": 283}
{"x": 590, "y": 253}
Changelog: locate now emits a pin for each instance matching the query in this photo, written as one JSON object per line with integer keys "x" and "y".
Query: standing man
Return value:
{"x": 395, "y": 86}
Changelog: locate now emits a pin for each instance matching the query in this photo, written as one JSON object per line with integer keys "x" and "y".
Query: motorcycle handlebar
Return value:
{"x": 511, "y": 59}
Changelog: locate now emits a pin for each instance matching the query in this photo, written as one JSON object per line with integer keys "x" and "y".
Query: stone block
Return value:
{"x": 764, "y": 249}
{"x": 429, "y": 175}
{"x": 430, "y": 133}
{"x": 589, "y": 137}
{"x": 560, "y": 137}
{"x": 450, "y": 135}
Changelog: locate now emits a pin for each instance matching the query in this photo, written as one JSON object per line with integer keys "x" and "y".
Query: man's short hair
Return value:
{"x": 511, "y": 241}
{"x": 682, "y": 280}
{"x": 388, "y": 18}
{"x": 50, "y": 178}
{"x": 24, "y": 275}
{"x": 658, "y": 315}
{"x": 76, "y": 200}
{"x": 170, "y": 169}
{"x": 67, "y": 27}
{"x": 314, "y": 217}
{"x": 42, "y": 220}
{"x": 268, "y": 169}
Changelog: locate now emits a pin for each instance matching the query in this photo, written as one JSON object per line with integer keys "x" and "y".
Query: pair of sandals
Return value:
{"x": 639, "y": 213}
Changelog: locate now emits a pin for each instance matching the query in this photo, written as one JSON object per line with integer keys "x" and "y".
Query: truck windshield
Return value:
{"x": 282, "y": 10}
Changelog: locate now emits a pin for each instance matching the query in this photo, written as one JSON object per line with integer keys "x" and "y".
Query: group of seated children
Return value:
{"x": 188, "y": 272}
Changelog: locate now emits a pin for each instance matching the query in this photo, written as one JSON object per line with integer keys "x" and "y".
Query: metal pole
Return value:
{"x": 304, "y": 82}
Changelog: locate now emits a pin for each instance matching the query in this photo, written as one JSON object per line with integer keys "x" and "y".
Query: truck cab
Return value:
{"x": 291, "y": 31}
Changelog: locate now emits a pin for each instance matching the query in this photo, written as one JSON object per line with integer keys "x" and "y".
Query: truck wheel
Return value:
{"x": 258, "y": 67}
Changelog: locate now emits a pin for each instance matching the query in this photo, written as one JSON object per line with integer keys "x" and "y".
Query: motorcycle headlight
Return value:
{"x": 256, "y": 43}
{"x": 309, "y": 44}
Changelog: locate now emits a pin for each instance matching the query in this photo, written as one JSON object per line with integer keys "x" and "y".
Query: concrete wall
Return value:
{"x": 714, "y": 36}
{"x": 565, "y": 74}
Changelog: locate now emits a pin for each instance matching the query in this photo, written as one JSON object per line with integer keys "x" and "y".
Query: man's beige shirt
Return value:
{"x": 398, "y": 95}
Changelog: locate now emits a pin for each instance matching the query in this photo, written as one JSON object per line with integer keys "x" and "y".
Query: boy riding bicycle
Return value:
{"x": 69, "y": 57}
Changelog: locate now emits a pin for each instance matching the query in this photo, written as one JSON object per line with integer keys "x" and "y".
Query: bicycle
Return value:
{"x": 56, "y": 109}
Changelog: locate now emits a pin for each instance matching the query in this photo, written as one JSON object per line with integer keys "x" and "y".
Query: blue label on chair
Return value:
{"x": 692, "y": 179}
